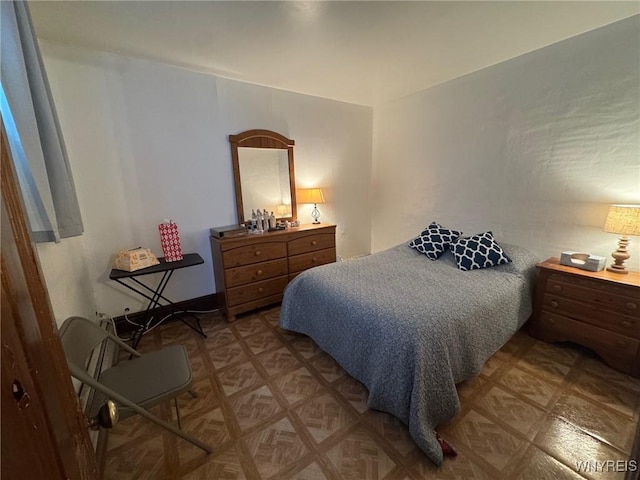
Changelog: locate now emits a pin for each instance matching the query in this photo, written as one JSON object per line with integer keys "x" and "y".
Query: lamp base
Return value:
{"x": 315, "y": 213}
{"x": 620, "y": 256}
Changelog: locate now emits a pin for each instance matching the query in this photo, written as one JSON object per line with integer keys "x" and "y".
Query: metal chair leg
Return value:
{"x": 89, "y": 380}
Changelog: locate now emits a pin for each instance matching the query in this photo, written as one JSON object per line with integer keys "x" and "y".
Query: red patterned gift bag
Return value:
{"x": 170, "y": 241}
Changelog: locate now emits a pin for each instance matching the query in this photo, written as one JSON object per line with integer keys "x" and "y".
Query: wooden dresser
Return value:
{"x": 252, "y": 270}
{"x": 600, "y": 310}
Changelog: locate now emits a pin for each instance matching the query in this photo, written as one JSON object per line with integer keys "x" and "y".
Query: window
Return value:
{"x": 33, "y": 132}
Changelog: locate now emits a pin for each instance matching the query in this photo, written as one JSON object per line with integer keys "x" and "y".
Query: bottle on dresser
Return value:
{"x": 253, "y": 224}
{"x": 259, "y": 221}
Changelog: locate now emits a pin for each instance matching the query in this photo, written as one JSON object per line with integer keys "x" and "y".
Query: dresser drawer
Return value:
{"x": 619, "y": 351}
{"x": 258, "y": 252}
{"x": 255, "y": 291}
{"x": 594, "y": 314}
{"x": 311, "y": 243}
{"x": 255, "y": 272}
{"x": 611, "y": 297}
{"x": 312, "y": 259}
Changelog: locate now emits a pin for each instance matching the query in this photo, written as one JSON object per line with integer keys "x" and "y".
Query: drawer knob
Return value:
{"x": 557, "y": 288}
{"x": 631, "y": 306}
{"x": 625, "y": 323}
{"x": 554, "y": 304}
{"x": 551, "y": 320}
{"x": 259, "y": 272}
{"x": 260, "y": 290}
{"x": 314, "y": 243}
{"x": 258, "y": 252}
{"x": 314, "y": 259}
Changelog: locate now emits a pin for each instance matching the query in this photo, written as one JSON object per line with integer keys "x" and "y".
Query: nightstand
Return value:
{"x": 600, "y": 310}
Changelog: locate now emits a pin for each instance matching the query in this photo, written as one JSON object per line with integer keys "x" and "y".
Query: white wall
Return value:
{"x": 147, "y": 141}
{"x": 66, "y": 274}
{"x": 534, "y": 148}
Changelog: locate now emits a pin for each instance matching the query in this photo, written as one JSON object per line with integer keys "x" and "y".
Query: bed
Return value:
{"x": 410, "y": 328}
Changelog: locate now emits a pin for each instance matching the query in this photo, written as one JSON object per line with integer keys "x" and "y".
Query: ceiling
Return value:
{"x": 358, "y": 52}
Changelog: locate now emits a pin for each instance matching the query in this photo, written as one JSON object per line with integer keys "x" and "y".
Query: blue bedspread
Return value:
{"x": 410, "y": 328}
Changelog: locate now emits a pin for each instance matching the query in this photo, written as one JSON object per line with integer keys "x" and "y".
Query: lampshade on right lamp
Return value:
{"x": 311, "y": 195}
{"x": 623, "y": 220}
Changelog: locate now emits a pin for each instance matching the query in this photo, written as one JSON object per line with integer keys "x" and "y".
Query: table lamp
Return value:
{"x": 623, "y": 220}
{"x": 311, "y": 195}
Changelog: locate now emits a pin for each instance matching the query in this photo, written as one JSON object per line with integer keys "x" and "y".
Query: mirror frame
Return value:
{"x": 261, "y": 139}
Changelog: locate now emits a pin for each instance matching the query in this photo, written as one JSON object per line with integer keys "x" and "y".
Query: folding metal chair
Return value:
{"x": 136, "y": 384}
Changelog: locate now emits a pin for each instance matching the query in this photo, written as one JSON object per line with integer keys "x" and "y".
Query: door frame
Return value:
{"x": 44, "y": 432}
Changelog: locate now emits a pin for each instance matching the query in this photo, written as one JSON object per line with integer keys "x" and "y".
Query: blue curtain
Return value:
{"x": 33, "y": 132}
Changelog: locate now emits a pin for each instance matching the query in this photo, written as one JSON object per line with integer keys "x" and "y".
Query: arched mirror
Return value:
{"x": 263, "y": 173}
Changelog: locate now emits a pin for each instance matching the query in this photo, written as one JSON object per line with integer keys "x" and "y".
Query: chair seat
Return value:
{"x": 135, "y": 385}
{"x": 151, "y": 378}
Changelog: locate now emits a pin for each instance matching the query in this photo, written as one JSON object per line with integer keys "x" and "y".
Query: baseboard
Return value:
{"x": 207, "y": 302}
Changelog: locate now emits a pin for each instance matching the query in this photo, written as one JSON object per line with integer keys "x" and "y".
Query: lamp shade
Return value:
{"x": 623, "y": 220}
{"x": 282, "y": 210}
{"x": 310, "y": 195}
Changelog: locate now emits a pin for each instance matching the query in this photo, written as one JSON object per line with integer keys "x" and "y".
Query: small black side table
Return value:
{"x": 130, "y": 280}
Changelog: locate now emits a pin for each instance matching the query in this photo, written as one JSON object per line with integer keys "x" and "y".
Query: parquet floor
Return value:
{"x": 274, "y": 406}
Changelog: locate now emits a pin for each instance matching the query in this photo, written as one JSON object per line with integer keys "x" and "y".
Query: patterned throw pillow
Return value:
{"x": 434, "y": 240}
{"x": 478, "y": 251}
